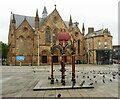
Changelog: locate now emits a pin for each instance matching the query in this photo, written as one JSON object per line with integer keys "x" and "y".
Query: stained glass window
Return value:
{"x": 48, "y": 35}
{"x": 28, "y": 45}
{"x": 21, "y": 44}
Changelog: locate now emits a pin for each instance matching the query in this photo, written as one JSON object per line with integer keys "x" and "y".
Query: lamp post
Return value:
{"x": 38, "y": 49}
{"x": 73, "y": 66}
{"x": 73, "y": 69}
{"x": 93, "y": 48}
{"x": 52, "y": 79}
{"x": 88, "y": 51}
{"x": 63, "y": 63}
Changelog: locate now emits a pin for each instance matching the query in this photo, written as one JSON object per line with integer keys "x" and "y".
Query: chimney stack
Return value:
{"x": 90, "y": 29}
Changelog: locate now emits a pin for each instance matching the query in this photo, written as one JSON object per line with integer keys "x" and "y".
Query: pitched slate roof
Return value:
{"x": 19, "y": 19}
{"x": 99, "y": 32}
{"x": 96, "y": 33}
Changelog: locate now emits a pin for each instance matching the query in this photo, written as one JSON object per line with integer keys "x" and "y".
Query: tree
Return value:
{"x": 3, "y": 50}
{"x": 0, "y": 48}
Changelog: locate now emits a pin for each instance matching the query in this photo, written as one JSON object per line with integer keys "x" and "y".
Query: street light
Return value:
{"x": 88, "y": 51}
{"x": 38, "y": 49}
{"x": 93, "y": 48}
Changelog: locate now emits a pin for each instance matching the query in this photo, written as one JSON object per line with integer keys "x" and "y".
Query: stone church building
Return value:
{"x": 36, "y": 39}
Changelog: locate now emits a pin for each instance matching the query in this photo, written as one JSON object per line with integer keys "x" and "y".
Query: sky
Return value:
{"x": 93, "y": 13}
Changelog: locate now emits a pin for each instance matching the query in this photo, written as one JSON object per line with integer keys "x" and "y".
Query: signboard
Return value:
{"x": 19, "y": 57}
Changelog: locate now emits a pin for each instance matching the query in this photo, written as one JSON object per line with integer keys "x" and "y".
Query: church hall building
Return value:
{"x": 33, "y": 39}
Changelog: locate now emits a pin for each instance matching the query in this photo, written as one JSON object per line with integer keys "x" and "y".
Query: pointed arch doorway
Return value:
{"x": 44, "y": 59}
{"x": 55, "y": 59}
{"x": 45, "y": 56}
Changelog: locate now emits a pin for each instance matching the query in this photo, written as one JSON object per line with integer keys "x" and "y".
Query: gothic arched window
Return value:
{"x": 28, "y": 45}
{"x": 21, "y": 44}
{"x": 78, "y": 47}
{"x": 105, "y": 43}
{"x": 99, "y": 44}
{"x": 54, "y": 35}
{"x": 48, "y": 35}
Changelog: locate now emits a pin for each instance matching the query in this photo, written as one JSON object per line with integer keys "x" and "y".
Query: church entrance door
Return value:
{"x": 44, "y": 59}
{"x": 55, "y": 59}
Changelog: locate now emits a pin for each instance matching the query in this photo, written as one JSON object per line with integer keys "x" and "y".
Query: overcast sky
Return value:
{"x": 93, "y": 13}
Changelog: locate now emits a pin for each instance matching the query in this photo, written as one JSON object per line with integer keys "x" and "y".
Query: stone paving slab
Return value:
{"x": 74, "y": 93}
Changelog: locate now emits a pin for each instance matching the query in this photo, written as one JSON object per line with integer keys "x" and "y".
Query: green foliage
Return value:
{"x": 0, "y": 49}
{"x": 4, "y": 49}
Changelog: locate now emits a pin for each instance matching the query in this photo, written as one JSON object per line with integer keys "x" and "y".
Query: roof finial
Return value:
{"x": 83, "y": 28}
{"x": 37, "y": 13}
{"x": 70, "y": 21}
{"x": 76, "y": 23}
{"x": 55, "y": 6}
{"x": 11, "y": 17}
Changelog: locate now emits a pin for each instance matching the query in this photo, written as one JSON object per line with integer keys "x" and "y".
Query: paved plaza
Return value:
{"x": 20, "y": 81}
